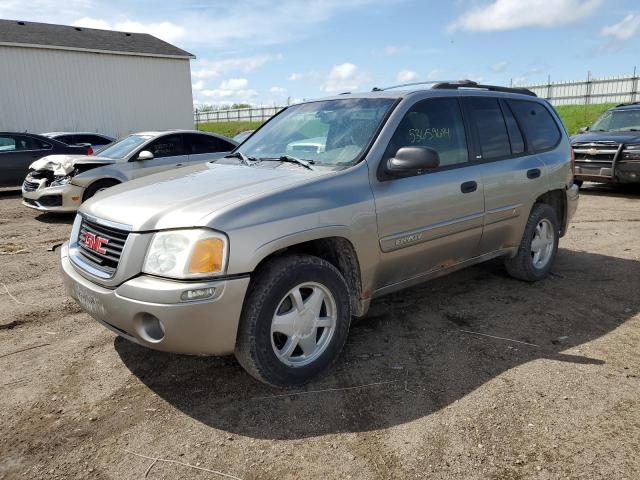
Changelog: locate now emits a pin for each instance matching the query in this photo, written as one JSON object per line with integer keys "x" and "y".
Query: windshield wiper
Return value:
{"x": 242, "y": 157}
{"x": 289, "y": 159}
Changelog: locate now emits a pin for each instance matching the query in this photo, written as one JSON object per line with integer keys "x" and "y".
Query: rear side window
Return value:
{"x": 515, "y": 135}
{"x": 92, "y": 139}
{"x": 539, "y": 126}
{"x": 68, "y": 139}
{"x": 207, "y": 144}
{"x": 492, "y": 130}
{"x": 435, "y": 123}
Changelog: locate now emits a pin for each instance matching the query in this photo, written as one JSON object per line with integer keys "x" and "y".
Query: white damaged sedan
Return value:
{"x": 60, "y": 183}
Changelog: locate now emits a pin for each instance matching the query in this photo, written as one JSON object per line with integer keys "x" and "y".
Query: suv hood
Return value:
{"x": 189, "y": 196}
{"x": 65, "y": 164}
{"x": 618, "y": 137}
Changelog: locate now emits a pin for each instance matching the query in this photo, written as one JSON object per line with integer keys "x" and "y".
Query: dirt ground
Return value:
{"x": 414, "y": 395}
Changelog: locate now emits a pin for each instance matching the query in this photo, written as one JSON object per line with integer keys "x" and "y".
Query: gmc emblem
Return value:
{"x": 94, "y": 242}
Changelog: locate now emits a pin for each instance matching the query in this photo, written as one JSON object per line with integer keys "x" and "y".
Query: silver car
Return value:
{"x": 60, "y": 183}
{"x": 268, "y": 256}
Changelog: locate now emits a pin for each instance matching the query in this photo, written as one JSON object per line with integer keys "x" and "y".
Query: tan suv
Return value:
{"x": 268, "y": 256}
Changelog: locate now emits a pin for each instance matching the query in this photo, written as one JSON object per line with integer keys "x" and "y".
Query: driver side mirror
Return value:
{"x": 583, "y": 130}
{"x": 412, "y": 161}
{"x": 145, "y": 155}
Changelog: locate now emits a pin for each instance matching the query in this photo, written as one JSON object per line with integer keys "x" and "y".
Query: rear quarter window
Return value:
{"x": 539, "y": 126}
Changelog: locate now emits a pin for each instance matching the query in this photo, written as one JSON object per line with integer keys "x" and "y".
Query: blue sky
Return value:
{"x": 267, "y": 52}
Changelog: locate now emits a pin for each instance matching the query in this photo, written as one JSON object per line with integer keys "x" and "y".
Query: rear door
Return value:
{"x": 17, "y": 152}
{"x": 513, "y": 174}
{"x": 434, "y": 220}
{"x": 202, "y": 148}
{"x": 168, "y": 152}
{"x": 12, "y": 161}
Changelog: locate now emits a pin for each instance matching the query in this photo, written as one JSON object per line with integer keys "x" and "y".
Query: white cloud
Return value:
{"x": 435, "y": 74}
{"x": 628, "y": 27}
{"x": 407, "y": 76}
{"x": 295, "y": 77}
{"x": 213, "y": 69}
{"x": 199, "y": 85}
{"x": 167, "y": 31}
{"x": 512, "y": 14}
{"x": 499, "y": 67}
{"x": 233, "y": 24}
{"x": 279, "y": 91}
{"x": 233, "y": 89}
{"x": 344, "y": 77}
{"x": 392, "y": 50}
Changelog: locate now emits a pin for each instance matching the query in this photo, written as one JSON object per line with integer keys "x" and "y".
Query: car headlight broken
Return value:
{"x": 186, "y": 254}
{"x": 60, "y": 181}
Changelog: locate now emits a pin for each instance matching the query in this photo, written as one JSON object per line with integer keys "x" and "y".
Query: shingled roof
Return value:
{"x": 46, "y": 35}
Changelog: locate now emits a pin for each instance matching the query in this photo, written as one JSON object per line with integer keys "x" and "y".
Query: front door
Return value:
{"x": 434, "y": 220}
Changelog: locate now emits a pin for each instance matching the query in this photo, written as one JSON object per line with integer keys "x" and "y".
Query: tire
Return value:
{"x": 523, "y": 266}
{"x": 262, "y": 351}
{"x": 97, "y": 187}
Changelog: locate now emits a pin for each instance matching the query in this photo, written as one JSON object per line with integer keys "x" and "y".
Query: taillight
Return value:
{"x": 573, "y": 162}
{"x": 90, "y": 150}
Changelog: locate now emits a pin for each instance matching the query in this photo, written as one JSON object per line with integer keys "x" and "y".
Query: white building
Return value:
{"x": 63, "y": 78}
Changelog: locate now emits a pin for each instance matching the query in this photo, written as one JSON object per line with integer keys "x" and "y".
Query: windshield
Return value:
{"x": 333, "y": 132}
{"x": 124, "y": 147}
{"x": 618, "y": 120}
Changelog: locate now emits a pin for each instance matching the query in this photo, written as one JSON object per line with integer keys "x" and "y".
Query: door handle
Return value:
{"x": 178, "y": 164}
{"x": 533, "y": 173}
{"x": 468, "y": 187}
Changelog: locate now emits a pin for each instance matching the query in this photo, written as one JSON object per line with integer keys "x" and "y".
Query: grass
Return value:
{"x": 573, "y": 116}
{"x": 577, "y": 116}
{"x": 228, "y": 129}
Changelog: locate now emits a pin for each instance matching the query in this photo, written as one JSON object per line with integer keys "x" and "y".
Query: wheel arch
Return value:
{"x": 333, "y": 247}
{"x": 556, "y": 199}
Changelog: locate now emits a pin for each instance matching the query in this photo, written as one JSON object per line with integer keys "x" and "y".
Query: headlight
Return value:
{"x": 631, "y": 152}
{"x": 60, "y": 181}
{"x": 186, "y": 254}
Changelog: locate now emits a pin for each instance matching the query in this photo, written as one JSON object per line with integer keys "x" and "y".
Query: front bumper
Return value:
{"x": 624, "y": 171}
{"x": 66, "y": 198}
{"x": 149, "y": 311}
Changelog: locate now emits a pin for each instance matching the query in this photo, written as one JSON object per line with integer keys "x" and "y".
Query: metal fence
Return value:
{"x": 255, "y": 114}
{"x": 591, "y": 90}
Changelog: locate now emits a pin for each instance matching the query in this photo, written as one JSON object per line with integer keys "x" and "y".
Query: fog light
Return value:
{"x": 152, "y": 329}
{"x": 197, "y": 294}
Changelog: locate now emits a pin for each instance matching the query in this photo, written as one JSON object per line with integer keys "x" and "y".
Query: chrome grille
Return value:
{"x": 28, "y": 186}
{"x": 595, "y": 152}
{"x": 106, "y": 262}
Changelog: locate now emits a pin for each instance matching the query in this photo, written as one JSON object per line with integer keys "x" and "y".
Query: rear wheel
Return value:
{"x": 538, "y": 247}
{"x": 295, "y": 320}
{"x": 96, "y": 187}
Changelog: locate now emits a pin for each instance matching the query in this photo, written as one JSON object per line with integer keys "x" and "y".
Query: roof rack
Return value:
{"x": 492, "y": 88}
{"x": 625, "y": 104}
{"x": 456, "y": 84}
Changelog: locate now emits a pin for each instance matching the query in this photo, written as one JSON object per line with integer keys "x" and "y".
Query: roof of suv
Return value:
{"x": 437, "y": 88}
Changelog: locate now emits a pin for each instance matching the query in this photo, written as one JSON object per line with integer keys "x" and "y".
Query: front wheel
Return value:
{"x": 96, "y": 187}
{"x": 294, "y": 322}
{"x": 538, "y": 247}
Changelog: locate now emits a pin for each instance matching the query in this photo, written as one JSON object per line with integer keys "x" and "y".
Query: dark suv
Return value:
{"x": 609, "y": 150}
